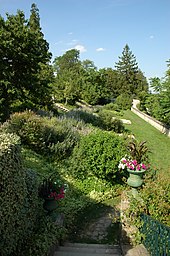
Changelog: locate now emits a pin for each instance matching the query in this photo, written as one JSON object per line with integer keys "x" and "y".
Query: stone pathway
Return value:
{"x": 96, "y": 235}
{"x": 98, "y": 230}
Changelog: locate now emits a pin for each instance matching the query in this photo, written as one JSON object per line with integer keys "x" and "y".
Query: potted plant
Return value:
{"x": 51, "y": 190}
{"x": 134, "y": 163}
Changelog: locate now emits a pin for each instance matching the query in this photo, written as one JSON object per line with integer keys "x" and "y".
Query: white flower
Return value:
{"x": 121, "y": 166}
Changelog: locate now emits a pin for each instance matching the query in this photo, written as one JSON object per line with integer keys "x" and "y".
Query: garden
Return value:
{"x": 72, "y": 165}
{"x": 60, "y": 170}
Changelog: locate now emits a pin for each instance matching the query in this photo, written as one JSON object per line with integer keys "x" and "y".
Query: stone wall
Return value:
{"x": 158, "y": 125}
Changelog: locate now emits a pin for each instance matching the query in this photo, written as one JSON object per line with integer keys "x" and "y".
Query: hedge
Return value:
{"x": 18, "y": 197}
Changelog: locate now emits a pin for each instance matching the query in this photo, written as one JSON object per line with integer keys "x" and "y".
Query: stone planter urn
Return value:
{"x": 50, "y": 204}
{"x": 135, "y": 178}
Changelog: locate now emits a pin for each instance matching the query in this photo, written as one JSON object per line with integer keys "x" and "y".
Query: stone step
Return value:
{"x": 78, "y": 249}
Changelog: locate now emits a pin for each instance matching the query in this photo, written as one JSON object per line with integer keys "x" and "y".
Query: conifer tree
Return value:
{"x": 129, "y": 73}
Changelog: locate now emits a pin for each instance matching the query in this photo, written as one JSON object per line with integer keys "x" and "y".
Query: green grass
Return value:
{"x": 158, "y": 143}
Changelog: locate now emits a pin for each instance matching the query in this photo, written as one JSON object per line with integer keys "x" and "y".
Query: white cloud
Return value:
{"x": 80, "y": 48}
{"x": 151, "y": 37}
{"x": 70, "y": 33}
{"x": 100, "y": 49}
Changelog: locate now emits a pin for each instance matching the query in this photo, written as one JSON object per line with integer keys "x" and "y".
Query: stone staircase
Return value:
{"x": 78, "y": 249}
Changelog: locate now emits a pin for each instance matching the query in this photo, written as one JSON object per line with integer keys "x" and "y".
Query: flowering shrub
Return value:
{"x": 133, "y": 165}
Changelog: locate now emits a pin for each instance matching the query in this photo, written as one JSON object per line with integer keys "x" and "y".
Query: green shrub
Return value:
{"x": 24, "y": 228}
{"x": 13, "y": 193}
{"x": 153, "y": 200}
{"x": 124, "y": 101}
{"x": 18, "y": 198}
{"x": 45, "y": 236}
{"x": 109, "y": 106}
{"x": 49, "y": 137}
{"x": 98, "y": 154}
{"x": 156, "y": 196}
{"x": 114, "y": 107}
{"x": 117, "y": 125}
{"x": 85, "y": 116}
{"x": 67, "y": 138}
{"x": 110, "y": 123}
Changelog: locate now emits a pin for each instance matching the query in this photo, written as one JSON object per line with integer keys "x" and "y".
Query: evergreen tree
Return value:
{"x": 43, "y": 73}
{"x": 128, "y": 72}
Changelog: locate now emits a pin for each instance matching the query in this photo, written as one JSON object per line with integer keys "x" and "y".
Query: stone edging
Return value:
{"x": 158, "y": 125}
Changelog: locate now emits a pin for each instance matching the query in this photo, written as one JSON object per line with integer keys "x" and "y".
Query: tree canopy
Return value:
{"x": 131, "y": 79}
{"x": 24, "y": 62}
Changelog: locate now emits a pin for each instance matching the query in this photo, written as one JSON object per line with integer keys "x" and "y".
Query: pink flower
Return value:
{"x": 131, "y": 167}
{"x": 138, "y": 167}
{"x": 135, "y": 162}
{"x": 144, "y": 166}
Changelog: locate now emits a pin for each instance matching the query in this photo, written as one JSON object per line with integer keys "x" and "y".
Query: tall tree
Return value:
{"x": 128, "y": 71}
{"x": 41, "y": 57}
{"x": 111, "y": 81}
{"x": 24, "y": 63}
{"x": 68, "y": 76}
{"x": 156, "y": 84}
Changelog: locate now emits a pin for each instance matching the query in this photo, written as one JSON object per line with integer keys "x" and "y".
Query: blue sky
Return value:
{"x": 101, "y": 28}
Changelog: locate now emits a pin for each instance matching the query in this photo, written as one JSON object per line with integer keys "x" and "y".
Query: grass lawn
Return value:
{"x": 158, "y": 143}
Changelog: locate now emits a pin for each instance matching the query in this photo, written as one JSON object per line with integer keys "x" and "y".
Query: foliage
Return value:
{"x": 154, "y": 200}
{"x": 109, "y": 122}
{"x": 24, "y": 60}
{"x": 81, "y": 195}
{"x": 131, "y": 79}
{"x": 157, "y": 143}
{"x": 109, "y": 106}
{"x": 77, "y": 80}
{"x": 51, "y": 187}
{"x": 151, "y": 105}
{"x": 137, "y": 150}
{"x": 157, "y": 104}
{"x": 84, "y": 116}
{"x": 44, "y": 135}
{"x": 110, "y": 80}
{"x": 99, "y": 154}
{"x": 123, "y": 101}
{"x": 156, "y": 196}
{"x": 94, "y": 90}
{"x": 84, "y": 194}
{"x": 19, "y": 196}
{"x": 68, "y": 77}
{"x": 45, "y": 236}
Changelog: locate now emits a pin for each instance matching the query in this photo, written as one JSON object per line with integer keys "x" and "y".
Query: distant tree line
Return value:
{"x": 29, "y": 81}
{"x": 77, "y": 79}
